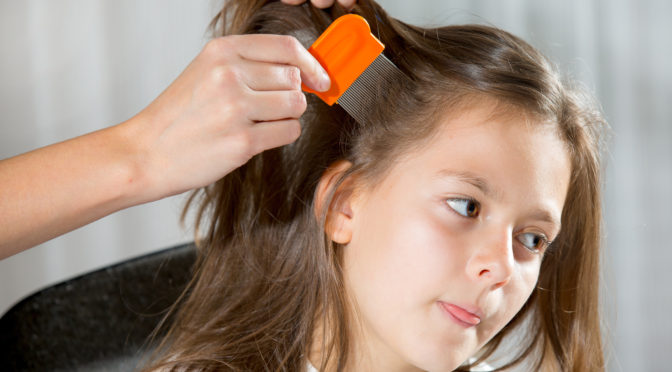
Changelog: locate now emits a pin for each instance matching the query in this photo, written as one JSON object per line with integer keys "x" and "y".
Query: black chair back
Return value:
{"x": 99, "y": 321}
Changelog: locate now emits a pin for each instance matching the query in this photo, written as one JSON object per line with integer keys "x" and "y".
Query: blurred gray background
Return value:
{"x": 69, "y": 67}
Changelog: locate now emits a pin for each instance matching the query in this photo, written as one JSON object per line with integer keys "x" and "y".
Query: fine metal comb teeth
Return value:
{"x": 370, "y": 87}
{"x": 360, "y": 73}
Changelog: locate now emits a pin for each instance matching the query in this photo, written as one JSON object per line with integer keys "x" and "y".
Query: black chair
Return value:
{"x": 98, "y": 321}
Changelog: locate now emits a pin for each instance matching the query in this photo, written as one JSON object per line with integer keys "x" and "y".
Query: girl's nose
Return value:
{"x": 491, "y": 261}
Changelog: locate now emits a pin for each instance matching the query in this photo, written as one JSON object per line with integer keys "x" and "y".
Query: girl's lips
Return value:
{"x": 462, "y": 316}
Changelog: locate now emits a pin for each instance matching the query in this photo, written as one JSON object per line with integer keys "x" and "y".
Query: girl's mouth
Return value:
{"x": 459, "y": 315}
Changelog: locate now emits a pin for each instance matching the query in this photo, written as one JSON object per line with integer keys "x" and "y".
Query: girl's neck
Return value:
{"x": 367, "y": 354}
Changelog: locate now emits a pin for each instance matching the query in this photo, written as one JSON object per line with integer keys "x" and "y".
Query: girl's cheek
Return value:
{"x": 449, "y": 227}
{"x": 442, "y": 239}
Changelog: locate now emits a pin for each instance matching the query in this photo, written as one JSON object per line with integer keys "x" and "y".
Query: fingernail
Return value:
{"x": 325, "y": 82}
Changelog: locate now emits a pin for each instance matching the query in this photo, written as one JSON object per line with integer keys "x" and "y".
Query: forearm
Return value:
{"x": 240, "y": 96}
{"x": 58, "y": 188}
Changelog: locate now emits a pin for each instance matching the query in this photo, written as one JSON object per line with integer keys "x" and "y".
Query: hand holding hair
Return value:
{"x": 240, "y": 96}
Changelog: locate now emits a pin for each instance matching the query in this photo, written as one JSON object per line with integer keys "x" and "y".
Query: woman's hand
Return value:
{"x": 347, "y": 4}
{"x": 240, "y": 96}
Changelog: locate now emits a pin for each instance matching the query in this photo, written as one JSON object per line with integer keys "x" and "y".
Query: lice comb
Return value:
{"x": 354, "y": 60}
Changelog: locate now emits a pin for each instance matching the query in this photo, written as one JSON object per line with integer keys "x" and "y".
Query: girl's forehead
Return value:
{"x": 494, "y": 141}
{"x": 480, "y": 109}
{"x": 482, "y": 129}
{"x": 503, "y": 149}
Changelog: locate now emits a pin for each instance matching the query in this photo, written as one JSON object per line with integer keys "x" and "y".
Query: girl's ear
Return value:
{"x": 338, "y": 224}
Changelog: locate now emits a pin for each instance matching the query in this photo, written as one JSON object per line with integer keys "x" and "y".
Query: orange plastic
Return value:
{"x": 345, "y": 49}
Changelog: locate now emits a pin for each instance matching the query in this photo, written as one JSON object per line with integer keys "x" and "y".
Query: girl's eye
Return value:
{"x": 465, "y": 207}
{"x": 534, "y": 242}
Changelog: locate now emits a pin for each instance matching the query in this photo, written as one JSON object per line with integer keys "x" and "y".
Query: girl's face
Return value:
{"x": 443, "y": 252}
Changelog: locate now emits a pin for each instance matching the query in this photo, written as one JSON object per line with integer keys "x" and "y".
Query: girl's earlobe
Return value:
{"x": 339, "y": 213}
{"x": 339, "y": 218}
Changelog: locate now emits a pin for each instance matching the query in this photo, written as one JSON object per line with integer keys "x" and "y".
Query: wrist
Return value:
{"x": 139, "y": 183}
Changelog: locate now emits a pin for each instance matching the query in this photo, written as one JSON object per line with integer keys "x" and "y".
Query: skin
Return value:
{"x": 348, "y": 4}
{"x": 408, "y": 246}
{"x": 240, "y": 96}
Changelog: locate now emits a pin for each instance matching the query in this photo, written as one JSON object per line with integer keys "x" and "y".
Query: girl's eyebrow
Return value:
{"x": 546, "y": 216}
{"x": 471, "y": 178}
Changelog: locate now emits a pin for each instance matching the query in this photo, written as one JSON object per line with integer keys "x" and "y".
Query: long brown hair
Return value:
{"x": 266, "y": 273}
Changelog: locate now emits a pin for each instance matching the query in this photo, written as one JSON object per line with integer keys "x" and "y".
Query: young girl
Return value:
{"x": 463, "y": 216}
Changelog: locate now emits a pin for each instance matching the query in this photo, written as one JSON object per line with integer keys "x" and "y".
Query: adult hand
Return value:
{"x": 240, "y": 96}
{"x": 348, "y": 4}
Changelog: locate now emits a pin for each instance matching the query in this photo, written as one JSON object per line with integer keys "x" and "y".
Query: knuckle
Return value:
{"x": 237, "y": 108}
{"x": 294, "y": 77}
{"x": 291, "y": 45}
{"x": 297, "y": 102}
{"x": 244, "y": 144}
{"x": 223, "y": 75}
{"x": 232, "y": 107}
{"x": 217, "y": 47}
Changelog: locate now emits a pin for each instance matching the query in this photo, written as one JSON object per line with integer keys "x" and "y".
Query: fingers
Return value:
{"x": 322, "y": 3}
{"x": 348, "y": 4}
{"x": 269, "y": 106}
{"x": 261, "y": 76}
{"x": 285, "y": 50}
{"x": 274, "y": 134}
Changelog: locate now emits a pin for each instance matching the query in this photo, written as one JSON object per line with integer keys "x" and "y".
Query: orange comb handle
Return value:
{"x": 345, "y": 49}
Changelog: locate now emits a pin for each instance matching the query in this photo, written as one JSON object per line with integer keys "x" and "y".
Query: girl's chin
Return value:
{"x": 441, "y": 361}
